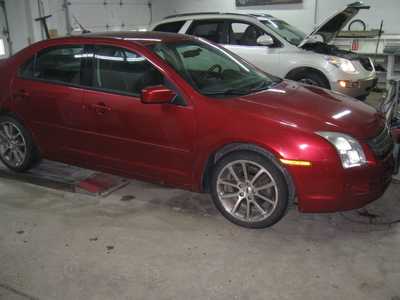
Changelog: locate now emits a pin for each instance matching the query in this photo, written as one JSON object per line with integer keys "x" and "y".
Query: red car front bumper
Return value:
{"x": 321, "y": 189}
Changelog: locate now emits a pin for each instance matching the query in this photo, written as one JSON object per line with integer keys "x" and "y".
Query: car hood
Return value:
{"x": 331, "y": 26}
{"x": 314, "y": 109}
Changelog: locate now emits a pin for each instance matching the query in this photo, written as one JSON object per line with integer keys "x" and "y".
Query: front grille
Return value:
{"x": 382, "y": 144}
{"x": 366, "y": 63}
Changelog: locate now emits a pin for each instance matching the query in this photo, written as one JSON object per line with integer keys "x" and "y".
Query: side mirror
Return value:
{"x": 265, "y": 40}
{"x": 157, "y": 95}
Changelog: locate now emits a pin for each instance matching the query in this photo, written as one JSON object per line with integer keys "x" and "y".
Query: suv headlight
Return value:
{"x": 350, "y": 151}
{"x": 343, "y": 64}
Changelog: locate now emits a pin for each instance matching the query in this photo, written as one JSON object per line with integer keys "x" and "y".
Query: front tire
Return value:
{"x": 311, "y": 78}
{"x": 249, "y": 190}
{"x": 17, "y": 150}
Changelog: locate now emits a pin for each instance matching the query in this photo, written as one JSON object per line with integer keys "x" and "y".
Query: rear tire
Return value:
{"x": 17, "y": 149}
{"x": 249, "y": 190}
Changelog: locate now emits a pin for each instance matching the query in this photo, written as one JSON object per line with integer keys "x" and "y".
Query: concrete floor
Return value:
{"x": 150, "y": 242}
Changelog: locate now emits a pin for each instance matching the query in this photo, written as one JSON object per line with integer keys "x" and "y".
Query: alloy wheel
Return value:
{"x": 247, "y": 191}
{"x": 13, "y": 147}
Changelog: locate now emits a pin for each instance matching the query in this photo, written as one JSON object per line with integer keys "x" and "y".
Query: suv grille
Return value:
{"x": 382, "y": 144}
{"x": 366, "y": 63}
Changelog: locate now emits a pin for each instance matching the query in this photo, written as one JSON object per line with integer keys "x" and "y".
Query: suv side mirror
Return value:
{"x": 265, "y": 40}
{"x": 158, "y": 94}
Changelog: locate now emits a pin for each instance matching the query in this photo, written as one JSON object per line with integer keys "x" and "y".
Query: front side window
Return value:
{"x": 170, "y": 27}
{"x": 244, "y": 34}
{"x": 122, "y": 71}
{"x": 59, "y": 64}
{"x": 211, "y": 69}
{"x": 285, "y": 30}
{"x": 210, "y": 30}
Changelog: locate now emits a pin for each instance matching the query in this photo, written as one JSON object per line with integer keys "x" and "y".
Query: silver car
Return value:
{"x": 283, "y": 50}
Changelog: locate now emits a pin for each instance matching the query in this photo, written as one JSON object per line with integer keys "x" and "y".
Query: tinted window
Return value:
{"x": 285, "y": 30}
{"x": 119, "y": 70}
{"x": 244, "y": 34}
{"x": 61, "y": 64}
{"x": 211, "y": 30}
{"x": 27, "y": 68}
{"x": 212, "y": 70}
{"x": 170, "y": 27}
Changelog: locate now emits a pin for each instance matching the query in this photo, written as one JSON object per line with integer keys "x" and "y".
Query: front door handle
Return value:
{"x": 100, "y": 108}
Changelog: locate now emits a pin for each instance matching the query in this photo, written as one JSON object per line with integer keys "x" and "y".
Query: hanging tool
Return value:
{"x": 43, "y": 22}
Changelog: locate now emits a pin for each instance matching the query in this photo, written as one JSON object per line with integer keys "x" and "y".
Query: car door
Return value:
{"x": 152, "y": 141}
{"x": 242, "y": 40}
{"x": 48, "y": 97}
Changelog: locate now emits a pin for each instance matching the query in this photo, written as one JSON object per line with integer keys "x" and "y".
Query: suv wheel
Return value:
{"x": 17, "y": 150}
{"x": 249, "y": 190}
{"x": 311, "y": 78}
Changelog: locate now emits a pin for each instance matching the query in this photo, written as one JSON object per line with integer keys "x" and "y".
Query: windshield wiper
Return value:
{"x": 264, "y": 85}
{"x": 229, "y": 92}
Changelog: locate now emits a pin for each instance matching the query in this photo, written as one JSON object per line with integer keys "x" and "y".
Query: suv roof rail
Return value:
{"x": 216, "y": 13}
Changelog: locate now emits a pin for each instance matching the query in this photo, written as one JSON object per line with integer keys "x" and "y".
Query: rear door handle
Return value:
{"x": 100, "y": 108}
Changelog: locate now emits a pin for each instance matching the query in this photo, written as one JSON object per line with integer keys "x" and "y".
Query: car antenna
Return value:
{"x": 84, "y": 30}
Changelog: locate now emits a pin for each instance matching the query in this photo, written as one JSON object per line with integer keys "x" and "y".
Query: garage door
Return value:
{"x": 110, "y": 15}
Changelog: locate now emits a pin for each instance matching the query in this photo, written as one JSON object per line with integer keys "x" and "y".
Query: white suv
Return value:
{"x": 284, "y": 51}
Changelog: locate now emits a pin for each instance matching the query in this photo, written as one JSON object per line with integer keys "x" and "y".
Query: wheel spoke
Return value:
{"x": 265, "y": 187}
{"x": 3, "y": 137}
{"x": 3, "y": 150}
{"x": 20, "y": 144}
{"x": 224, "y": 182}
{"x": 265, "y": 198}
{"x": 244, "y": 171}
{"x": 234, "y": 174}
{"x": 248, "y": 210}
{"x": 236, "y": 206}
{"x": 260, "y": 209}
{"x": 230, "y": 195}
{"x": 19, "y": 155}
{"x": 7, "y": 131}
{"x": 259, "y": 173}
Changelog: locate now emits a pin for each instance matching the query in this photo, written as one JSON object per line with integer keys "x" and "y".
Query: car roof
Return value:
{"x": 139, "y": 37}
{"x": 214, "y": 15}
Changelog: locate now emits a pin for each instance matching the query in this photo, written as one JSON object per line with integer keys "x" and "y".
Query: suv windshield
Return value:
{"x": 211, "y": 70}
{"x": 285, "y": 30}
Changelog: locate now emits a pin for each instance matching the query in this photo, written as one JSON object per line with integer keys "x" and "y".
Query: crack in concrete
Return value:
{"x": 17, "y": 292}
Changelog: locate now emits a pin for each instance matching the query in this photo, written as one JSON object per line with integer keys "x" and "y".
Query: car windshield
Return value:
{"x": 285, "y": 30}
{"x": 211, "y": 70}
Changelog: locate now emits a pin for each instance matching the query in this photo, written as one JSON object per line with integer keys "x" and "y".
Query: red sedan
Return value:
{"x": 185, "y": 112}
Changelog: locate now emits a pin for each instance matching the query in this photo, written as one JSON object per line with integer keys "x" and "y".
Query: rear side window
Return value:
{"x": 212, "y": 30}
{"x": 122, "y": 71}
{"x": 60, "y": 64}
{"x": 173, "y": 27}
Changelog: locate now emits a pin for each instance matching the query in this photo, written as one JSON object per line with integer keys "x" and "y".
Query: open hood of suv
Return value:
{"x": 329, "y": 28}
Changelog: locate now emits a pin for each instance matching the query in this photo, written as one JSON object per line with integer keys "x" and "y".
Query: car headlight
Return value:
{"x": 350, "y": 151}
{"x": 343, "y": 64}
